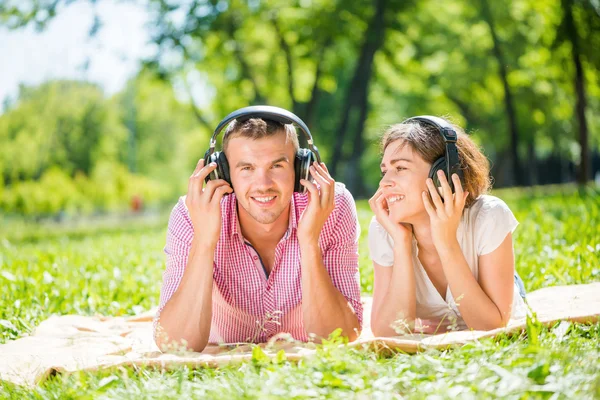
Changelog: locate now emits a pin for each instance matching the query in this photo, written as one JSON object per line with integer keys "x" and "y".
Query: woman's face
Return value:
{"x": 404, "y": 176}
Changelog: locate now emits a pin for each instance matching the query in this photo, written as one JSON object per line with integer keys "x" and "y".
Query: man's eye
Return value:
{"x": 245, "y": 168}
{"x": 277, "y": 166}
{"x": 400, "y": 168}
{"x": 383, "y": 173}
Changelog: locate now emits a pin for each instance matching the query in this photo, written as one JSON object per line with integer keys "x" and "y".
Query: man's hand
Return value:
{"x": 320, "y": 203}
{"x": 204, "y": 204}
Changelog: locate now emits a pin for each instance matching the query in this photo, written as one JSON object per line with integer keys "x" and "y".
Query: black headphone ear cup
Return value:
{"x": 304, "y": 158}
{"x": 222, "y": 170}
{"x": 439, "y": 164}
{"x": 210, "y": 158}
{"x": 223, "y": 167}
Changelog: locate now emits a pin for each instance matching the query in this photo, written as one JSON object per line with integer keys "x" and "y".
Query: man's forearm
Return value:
{"x": 188, "y": 313}
{"x": 324, "y": 308}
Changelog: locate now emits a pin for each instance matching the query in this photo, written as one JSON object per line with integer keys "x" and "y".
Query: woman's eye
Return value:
{"x": 383, "y": 173}
{"x": 400, "y": 168}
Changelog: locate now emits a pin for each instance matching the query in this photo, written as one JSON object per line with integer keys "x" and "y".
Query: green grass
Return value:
{"x": 117, "y": 270}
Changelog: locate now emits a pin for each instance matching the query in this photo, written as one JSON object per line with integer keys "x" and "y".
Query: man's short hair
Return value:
{"x": 258, "y": 128}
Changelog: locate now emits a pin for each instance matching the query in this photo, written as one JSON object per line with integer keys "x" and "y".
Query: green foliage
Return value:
{"x": 310, "y": 57}
{"x": 62, "y": 124}
{"x": 67, "y": 148}
{"x": 110, "y": 188}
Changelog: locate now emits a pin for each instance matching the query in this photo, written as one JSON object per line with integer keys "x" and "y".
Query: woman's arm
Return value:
{"x": 394, "y": 293}
{"x": 486, "y": 304}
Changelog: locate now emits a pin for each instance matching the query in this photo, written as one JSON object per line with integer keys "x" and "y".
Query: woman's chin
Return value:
{"x": 400, "y": 216}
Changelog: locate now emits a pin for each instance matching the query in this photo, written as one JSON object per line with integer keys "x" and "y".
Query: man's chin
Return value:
{"x": 264, "y": 216}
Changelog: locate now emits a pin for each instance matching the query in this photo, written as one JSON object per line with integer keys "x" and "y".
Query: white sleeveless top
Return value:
{"x": 482, "y": 228}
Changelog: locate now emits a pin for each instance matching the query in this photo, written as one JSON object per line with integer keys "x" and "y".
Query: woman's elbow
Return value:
{"x": 382, "y": 329}
{"x": 490, "y": 325}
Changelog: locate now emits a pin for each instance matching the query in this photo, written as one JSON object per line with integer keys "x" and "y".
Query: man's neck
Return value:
{"x": 263, "y": 234}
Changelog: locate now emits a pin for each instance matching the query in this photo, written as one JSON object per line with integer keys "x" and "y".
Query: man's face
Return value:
{"x": 262, "y": 174}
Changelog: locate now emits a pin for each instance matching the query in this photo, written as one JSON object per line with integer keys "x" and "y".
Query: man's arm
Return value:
{"x": 186, "y": 317}
{"x": 324, "y": 306}
{"x": 186, "y": 314}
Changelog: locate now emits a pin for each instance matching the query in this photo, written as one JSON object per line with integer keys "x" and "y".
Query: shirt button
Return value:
{"x": 255, "y": 258}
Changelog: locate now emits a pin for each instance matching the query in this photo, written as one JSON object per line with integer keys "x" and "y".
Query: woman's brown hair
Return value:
{"x": 426, "y": 141}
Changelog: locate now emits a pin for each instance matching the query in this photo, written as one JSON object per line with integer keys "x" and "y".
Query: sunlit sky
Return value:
{"x": 62, "y": 50}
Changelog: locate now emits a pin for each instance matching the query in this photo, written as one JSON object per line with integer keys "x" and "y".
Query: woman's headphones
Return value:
{"x": 449, "y": 162}
{"x": 304, "y": 157}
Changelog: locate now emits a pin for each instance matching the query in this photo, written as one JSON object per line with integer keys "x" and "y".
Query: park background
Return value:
{"x": 107, "y": 106}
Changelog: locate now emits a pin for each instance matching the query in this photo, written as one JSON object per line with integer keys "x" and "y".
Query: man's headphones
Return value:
{"x": 449, "y": 162}
{"x": 304, "y": 157}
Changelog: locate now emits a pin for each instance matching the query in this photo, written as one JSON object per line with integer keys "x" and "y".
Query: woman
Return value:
{"x": 442, "y": 258}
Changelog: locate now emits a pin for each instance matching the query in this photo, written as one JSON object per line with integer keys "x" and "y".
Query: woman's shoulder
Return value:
{"x": 486, "y": 205}
{"x": 376, "y": 229}
{"x": 490, "y": 220}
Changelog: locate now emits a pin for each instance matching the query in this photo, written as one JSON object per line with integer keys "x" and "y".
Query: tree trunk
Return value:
{"x": 532, "y": 163}
{"x": 244, "y": 66}
{"x": 508, "y": 97}
{"x": 287, "y": 51}
{"x": 311, "y": 106}
{"x": 583, "y": 173}
{"x": 357, "y": 100}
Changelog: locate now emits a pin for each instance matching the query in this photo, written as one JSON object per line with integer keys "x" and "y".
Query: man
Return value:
{"x": 245, "y": 266}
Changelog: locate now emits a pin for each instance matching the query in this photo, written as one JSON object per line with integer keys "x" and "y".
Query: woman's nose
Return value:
{"x": 386, "y": 181}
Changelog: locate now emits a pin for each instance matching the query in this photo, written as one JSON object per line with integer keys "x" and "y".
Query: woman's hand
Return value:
{"x": 400, "y": 232}
{"x": 444, "y": 216}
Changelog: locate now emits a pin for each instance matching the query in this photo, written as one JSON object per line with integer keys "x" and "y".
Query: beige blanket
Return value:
{"x": 71, "y": 342}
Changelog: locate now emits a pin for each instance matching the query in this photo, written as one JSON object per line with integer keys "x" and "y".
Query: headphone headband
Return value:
{"x": 277, "y": 114}
{"x": 451, "y": 160}
{"x": 440, "y": 124}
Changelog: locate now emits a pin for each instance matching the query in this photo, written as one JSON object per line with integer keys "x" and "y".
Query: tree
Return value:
{"x": 64, "y": 124}
{"x": 569, "y": 33}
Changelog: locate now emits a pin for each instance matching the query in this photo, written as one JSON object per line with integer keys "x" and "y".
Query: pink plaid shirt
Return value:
{"x": 248, "y": 306}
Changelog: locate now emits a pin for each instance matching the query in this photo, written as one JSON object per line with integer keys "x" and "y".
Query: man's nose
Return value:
{"x": 263, "y": 178}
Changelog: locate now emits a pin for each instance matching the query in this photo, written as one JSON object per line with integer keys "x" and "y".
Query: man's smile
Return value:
{"x": 264, "y": 201}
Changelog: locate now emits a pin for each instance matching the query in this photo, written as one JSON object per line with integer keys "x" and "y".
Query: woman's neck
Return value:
{"x": 422, "y": 232}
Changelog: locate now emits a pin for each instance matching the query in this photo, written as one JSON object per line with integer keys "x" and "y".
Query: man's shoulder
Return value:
{"x": 344, "y": 215}
{"x": 179, "y": 214}
{"x": 344, "y": 201}
{"x": 343, "y": 221}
